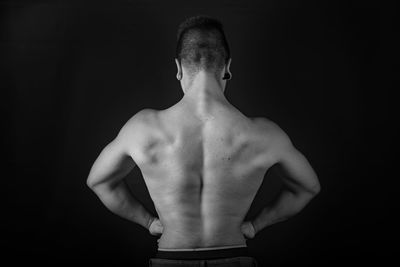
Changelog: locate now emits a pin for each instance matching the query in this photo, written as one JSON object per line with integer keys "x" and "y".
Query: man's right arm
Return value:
{"x": 300, "y": 181}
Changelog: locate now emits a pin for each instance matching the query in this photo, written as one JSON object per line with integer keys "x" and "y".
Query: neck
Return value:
{"x": 204, "y": 86}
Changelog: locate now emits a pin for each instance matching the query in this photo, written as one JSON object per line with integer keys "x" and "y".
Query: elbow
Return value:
{"x": 315, "y": 189}
{"x": 99, "y": 186}
{"x": 94, "y": 180}
{"x": 91, "y": 183}
{"x": 312, "y": 189}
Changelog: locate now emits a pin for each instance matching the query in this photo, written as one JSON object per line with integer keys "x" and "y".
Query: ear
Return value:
{"x": 179, "y": 70}
{"x": 227, "y": 68}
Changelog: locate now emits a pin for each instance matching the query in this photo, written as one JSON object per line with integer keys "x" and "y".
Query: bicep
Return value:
{"x": 115, "y": 161}
{"x": 297, "y": 171}
{"x": 113, "y": 164}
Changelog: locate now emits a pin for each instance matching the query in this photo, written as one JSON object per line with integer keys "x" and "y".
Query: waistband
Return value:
{"x": 204, "y": 253}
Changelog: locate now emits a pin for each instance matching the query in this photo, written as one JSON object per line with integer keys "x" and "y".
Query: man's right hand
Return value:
{"x": 156, "y": 228}
{"x": 248, "y": 229}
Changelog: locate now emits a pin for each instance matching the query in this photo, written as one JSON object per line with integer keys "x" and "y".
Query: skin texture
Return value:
{"x": 203, "y": 162}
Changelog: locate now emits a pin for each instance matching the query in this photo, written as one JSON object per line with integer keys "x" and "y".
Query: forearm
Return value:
{"x": 119, "y": 200}
{"x": 285, "y": 206}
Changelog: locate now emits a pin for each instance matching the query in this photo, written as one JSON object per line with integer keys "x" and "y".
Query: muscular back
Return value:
{"x": 202, "y": 171}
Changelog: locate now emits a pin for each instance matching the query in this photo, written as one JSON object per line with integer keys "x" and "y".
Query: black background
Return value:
{"x": 73, "y": 72}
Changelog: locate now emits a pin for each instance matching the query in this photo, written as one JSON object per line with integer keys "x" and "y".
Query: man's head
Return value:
{"x": 202, "y": 46}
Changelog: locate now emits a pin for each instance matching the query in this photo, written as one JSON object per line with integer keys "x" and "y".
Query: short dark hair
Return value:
{"x": 202, "y": 44}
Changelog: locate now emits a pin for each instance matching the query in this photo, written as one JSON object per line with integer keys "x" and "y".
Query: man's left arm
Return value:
{"x": 107, "y": 177}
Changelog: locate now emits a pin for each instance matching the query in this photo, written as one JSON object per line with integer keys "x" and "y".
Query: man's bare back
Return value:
{"x": 202, "y": 160}
{"x": 202, "y": 172}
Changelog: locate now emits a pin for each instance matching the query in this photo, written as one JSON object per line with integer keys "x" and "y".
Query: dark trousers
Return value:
{"x": 232, "y": 257}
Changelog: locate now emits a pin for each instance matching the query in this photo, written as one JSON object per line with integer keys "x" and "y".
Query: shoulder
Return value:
{"x": 141, "y": 118}
{"x": 272, "y": 132}
{"x": 138, "y": 122}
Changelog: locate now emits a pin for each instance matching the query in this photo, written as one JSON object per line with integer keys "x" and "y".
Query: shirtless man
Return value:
{"x": 202, "y": 161}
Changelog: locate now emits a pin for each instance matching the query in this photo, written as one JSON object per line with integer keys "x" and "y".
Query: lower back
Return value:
{"x": 202, "y": 232}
